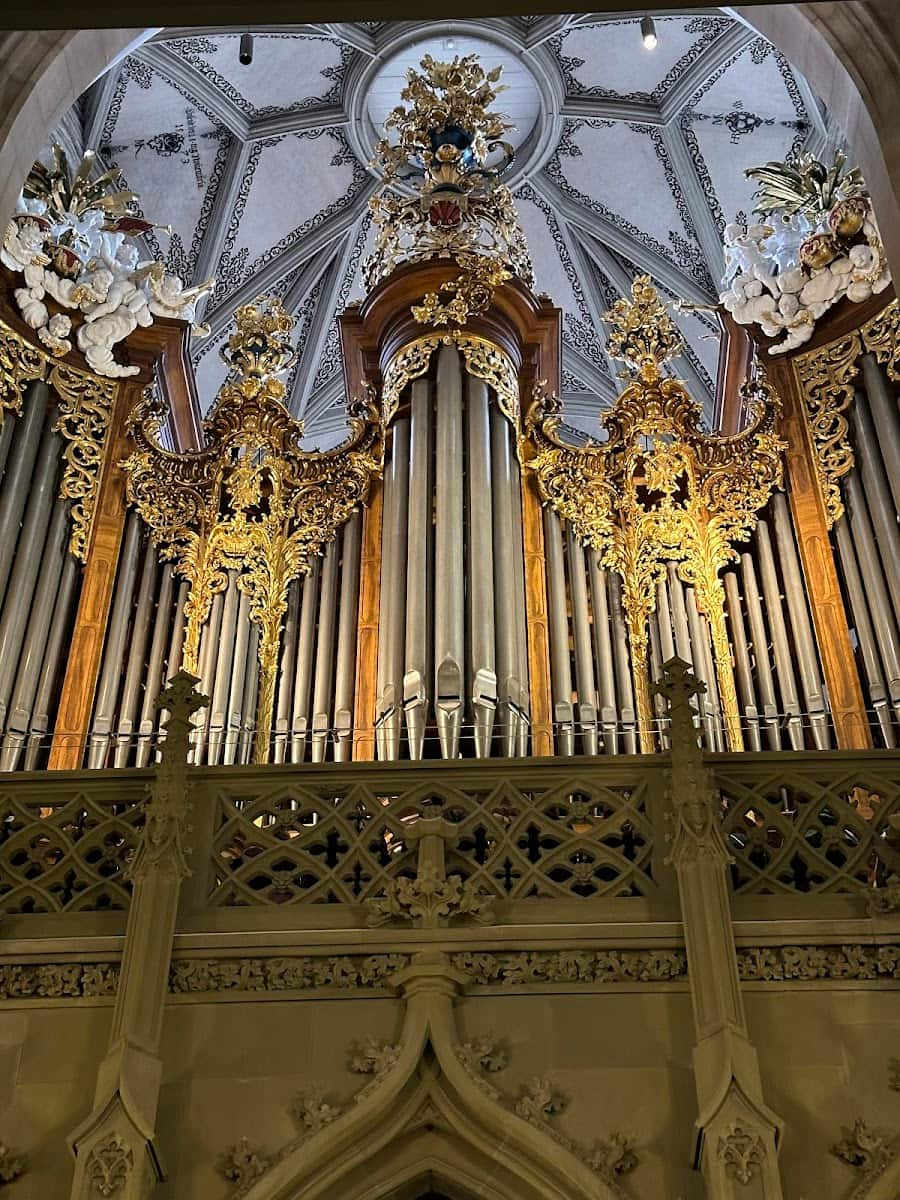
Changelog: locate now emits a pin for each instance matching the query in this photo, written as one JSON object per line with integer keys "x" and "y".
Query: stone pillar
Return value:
{"x": 736, "y": 1145}
{"x": 115, "y": 1146}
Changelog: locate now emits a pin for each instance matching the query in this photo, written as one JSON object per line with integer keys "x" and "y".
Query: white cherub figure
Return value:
{"x": 56, "y": 334}
{"x": 788, "y": 234}
{"x": 168, "y": 295}
{"x": 745, "y": 253}
{"x": 23, "y": 246}
{"x": 111, "y": 321}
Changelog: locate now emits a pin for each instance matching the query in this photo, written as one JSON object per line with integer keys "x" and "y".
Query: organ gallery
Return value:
{"x": 420, "y": 780}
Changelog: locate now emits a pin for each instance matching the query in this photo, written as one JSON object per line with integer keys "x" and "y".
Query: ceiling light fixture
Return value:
{"x": 246, "y": 51}
{"x": 450, "y": 43}
{"x": 648, "y": 33}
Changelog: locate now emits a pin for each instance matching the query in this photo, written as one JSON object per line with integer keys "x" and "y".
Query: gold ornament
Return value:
{"x": 445, "y": 133}
{"x": 252, "y": 500}
{"x": 659, "y": 489}
{"x": 85, "y": 402}
{"x": 472, "y": 292}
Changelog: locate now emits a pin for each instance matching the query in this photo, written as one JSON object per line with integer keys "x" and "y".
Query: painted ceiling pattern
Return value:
{"x": 631, "y": 161}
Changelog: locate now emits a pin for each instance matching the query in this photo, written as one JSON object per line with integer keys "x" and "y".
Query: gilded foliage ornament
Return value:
{"x": 660, "y": 489}
{"x": 252, "y": 500}
{"x": 445, "y": 131}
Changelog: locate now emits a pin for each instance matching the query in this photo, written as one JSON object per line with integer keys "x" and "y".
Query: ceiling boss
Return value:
{"x": 659, "y": 489}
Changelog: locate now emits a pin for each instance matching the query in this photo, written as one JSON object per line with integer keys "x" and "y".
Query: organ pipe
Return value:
{"x": 154, "y": 679}
{"x": 481, "y": 659}
{"x": 304, "y": 668}
{"x": 449, "y": 564}
{"x": 285, "y": 676}
{"x": 322, "y": 690}
{"x": 415, "y": 675}
{"x": 584, "y": 663}
{"x": 784, "y": 670}
{"x": 760, "y": 648}
{"x": 883, "y": 407}
{"x": 742, "y": 665}
{"x": 624, "y": 686}
{"x": 238, "y": 712}
{"x": 209, "y": 648}
{"x": 224, "y": 650}
{"x": 53, "y": 656}
{"x": 136, "y": 652}
{"x": 560, "y": 662}
{"x": 17, "y": 481}
{"x": 346, "y": 647}
{"x": 603, "y": 653}
{"x": 391, "y": 618}
{"x": 524, "y": 704}
{"x": 879, "y": 501}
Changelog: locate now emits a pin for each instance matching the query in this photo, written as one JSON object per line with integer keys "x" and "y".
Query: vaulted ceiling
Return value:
{"x": 628, "y": 160}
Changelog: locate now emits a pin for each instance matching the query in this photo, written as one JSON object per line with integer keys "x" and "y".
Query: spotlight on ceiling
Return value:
{"x": 450, "y": 43}
{"x": 648, "y": 33}
{"x": 246, "y": 51}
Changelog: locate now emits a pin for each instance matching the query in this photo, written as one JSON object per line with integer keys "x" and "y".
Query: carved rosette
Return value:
{"x": 252, "y": 500}
{"x": 85, "y": 403}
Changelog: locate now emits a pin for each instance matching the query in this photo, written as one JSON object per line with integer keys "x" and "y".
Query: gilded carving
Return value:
{"x": 742, "y": 1150}
{"x": 660, "y": 489}
{"x": 881, "y": 337}
{"x": 109, "y": 1164}
{"x": 472, "y": 292}
{"x": 252, "y": 500}
{"x": 85, "y": 403}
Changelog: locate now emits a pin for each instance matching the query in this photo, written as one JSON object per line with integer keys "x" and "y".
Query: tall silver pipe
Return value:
{"x": 449, "y": 566}
{"x": 285, "y": 675}
{"x": 7, "y": 431}
{"x": 303, "y": 675}
{"x": 865, "y": 634}
{"x": 114, "y": 651}
{"x": 804, "y": 640}
{"x": 482, "y": 660}
{"x": 248, "y": 706}
{"x": 759, "y": 644}
{"x": 237, "y": 712}
{"x": 666, "y": 638}
{"x": 18, "y": 478}
{"x": 683, "y": 646}
{"x": 224, "y": 651}
{"x": 24, "y": 574}
{"x": 584, "y": 661}
{"x": 742, "y": 668}
{"x": 784, "y": 666}
{"x": 346, "y": 648}
{"x": 322, "y": 692}
{"x": 415, "y": 675}
{"x": 702, "y": 667}
{"x": 882, "y": 511}
{"x": 876, "y": 591}
{"x": 660, "y": 708}
{"x": 603, "y": 655}
{"x": 503, "y": 499}
{"x": 883, "y": 407}
{"x": 392, "y": 611}
{"x": 174, "y": 657}
{"x": 57, "y": 638}
{"x": 32, "y": 656}
{"x": 524, "y": 702}
{"x": 560, "y": 662}
{"x": 162, "y": 629}
{"x": 209, "y": 647}
{"x": 624, "y": 686}
{"x": 137, "y": 645}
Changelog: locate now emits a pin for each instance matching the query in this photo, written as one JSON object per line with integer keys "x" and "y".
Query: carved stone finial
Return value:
{"x": 110, "y": 1163}
{"x": 167, "y": 810}
{"x": 243, "y": 1164}
{"x": 742, "y": 1150}
{"x": 260, "y": 347}
{"x": 643, "y": 333}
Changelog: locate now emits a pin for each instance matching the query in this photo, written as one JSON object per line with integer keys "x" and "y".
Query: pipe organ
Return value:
{"x": 456, "y": 580}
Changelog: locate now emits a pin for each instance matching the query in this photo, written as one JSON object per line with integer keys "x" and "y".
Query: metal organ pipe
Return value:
{"x": 702, "y": 667}
{"x": 248, "y": 706}
{"x": 28, "y": 668}
{"x": 524, "y": 703}
{"x": 760, "y": 648}
{"x": 136, "y": 648}
{"x": 303, "y": 675}
{"x": 53, "y": 653}
{"x": 507, "y": 660}
{"x": 879, "y": 501}
{"x": 883, "y": 407}
{"x": 114, "y": 651}
{"x": 449, "y": 564}
{"x": 346, "y": 648}
{"x": 584, "y": 663}
{"x": 391, "y": 617}
{"x": 415, "y": 675}
{"x": 742, "y": 668}
{"x": 482, "y": 661}
{"x": 237, "y": 710}
{"x": 876, "y": 592}
{"x": 224, "y": 650}
{"x": 560, "y": 662}
{"x": 153, "y": 681}
{"x": 603, "y": 653}
{"x": 624, "y": 685}
{"x": 285, "y": 675}
{"x": 18, "y": 480}
{"x": 784, "y": 669}
{"x": 804, "y": 642}
{"x": 207, "y": 671}
{"x": 322, "y": 694}
{"x": 865, "y": 634}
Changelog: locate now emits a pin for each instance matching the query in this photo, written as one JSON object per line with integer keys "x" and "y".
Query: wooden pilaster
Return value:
{"x": 536, "y": 617}
{"x": 820, "y": 572}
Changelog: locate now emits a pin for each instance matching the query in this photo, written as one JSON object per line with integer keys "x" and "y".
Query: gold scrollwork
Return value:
{"x": 827, "y": 378}
{"x": 659, "y": 489}
{"x": 85, "y": 402}
{"x": 881, "y": 337}
{"x": 482, "y": 359}
{"x": 252, "y": 500}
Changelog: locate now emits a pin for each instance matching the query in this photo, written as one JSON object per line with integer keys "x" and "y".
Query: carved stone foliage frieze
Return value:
{"x": 109, "y": 1164}
{"x": 521, "y": 968}
{"x": 341, "y": 972}
{"x": 858, "y": 962}
{"x": 12, "y": 1164}
{"x": 57, "y": 981}
{"x": 742, "y": 1150}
